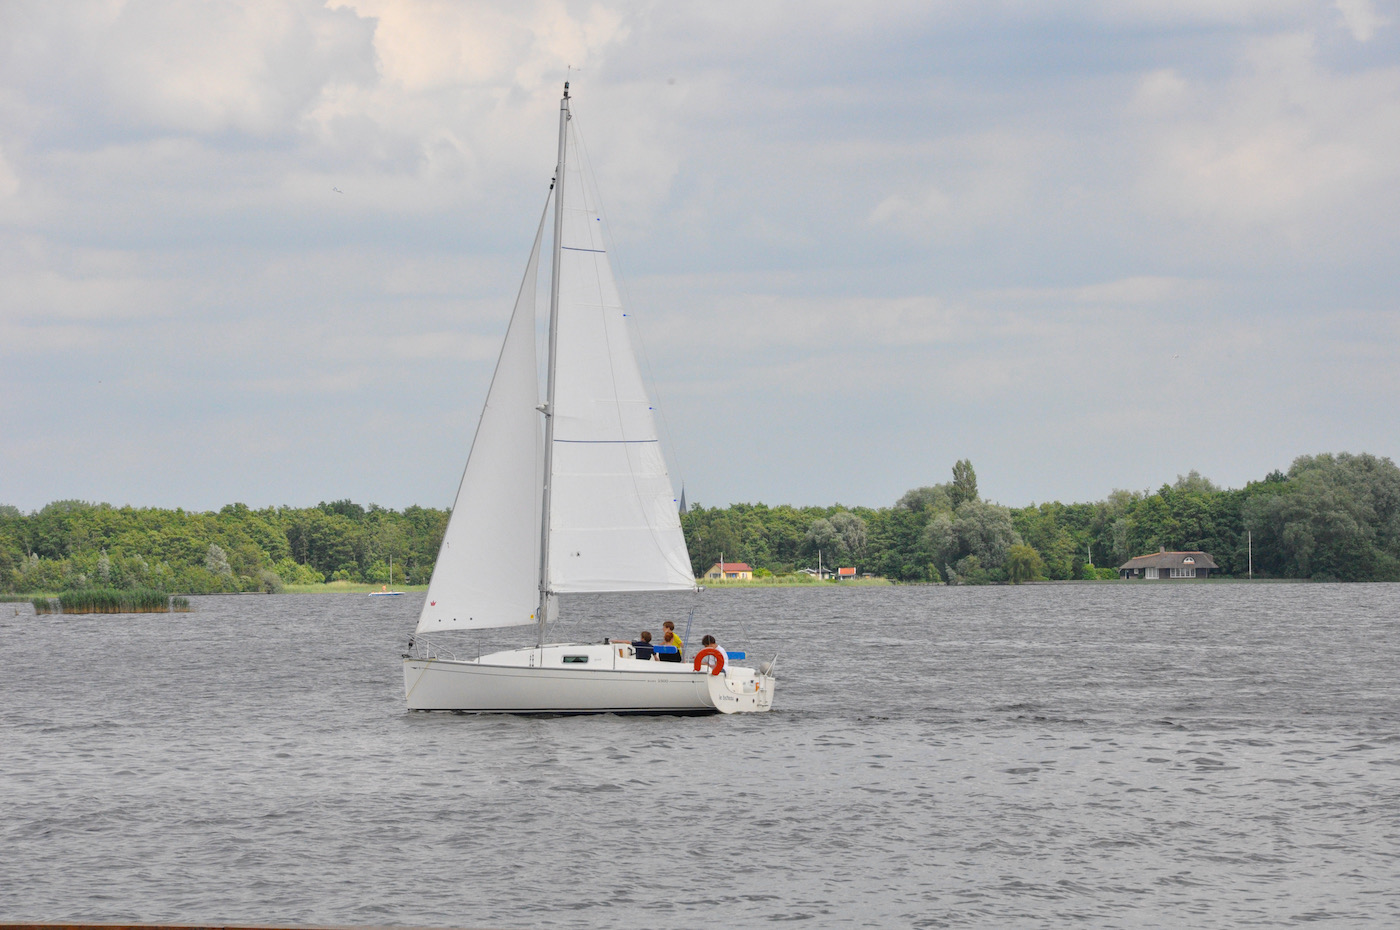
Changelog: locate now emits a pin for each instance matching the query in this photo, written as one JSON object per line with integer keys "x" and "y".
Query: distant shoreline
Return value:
{"x": 349, "y": 587}
{"x": 789, "y": 581}
{"x": 362, "y": 588}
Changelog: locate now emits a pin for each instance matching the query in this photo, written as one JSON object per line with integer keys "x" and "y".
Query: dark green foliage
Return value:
{"x": 964, "y": 486}
{"x": 73, "y": 544}
{"x": 346, "y": 508}
{"x": 1330, "y": 518}
{"x": 1023, "y": 564}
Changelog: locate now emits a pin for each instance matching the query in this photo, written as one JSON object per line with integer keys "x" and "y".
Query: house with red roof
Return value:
{"x": 729, "y": 571}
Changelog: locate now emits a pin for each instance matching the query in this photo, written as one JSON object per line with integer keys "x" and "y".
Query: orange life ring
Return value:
{"x": 710, "y": 651}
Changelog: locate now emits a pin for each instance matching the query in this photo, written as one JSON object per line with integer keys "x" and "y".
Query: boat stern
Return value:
{"x": 740, "y": 690}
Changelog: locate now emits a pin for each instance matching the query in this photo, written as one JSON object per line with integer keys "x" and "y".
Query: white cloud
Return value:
{"x": 984, "y": 179}
{"x": 1134, "y": 291}
{"x": 1361, "y": 18}
{"x": 913, "y": 213}
{"x": 48, "y": 295}
{"x": 246, "y": 67}
{"x": 427, "y": 45}
{"x": 1171, "y": 12}
{"x": 1284, "y": 146}
{"x": 1162, "y": 92}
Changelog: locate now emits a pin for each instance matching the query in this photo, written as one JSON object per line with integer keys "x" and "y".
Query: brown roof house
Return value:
{"x": 729, "y": 571}
{"x": 1164, "y": 564}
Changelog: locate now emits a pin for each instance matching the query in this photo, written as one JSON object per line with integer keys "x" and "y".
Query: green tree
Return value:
{"x": 217, "y": 561}
{"x": 964, "y": 487}
{"x": 932, "y": 499}
{"x": 851, "y": 535}
{"x": 940, "y": 540}
{"x": 1332, "y": 517}
{"x": 1194, "y": 483}
{"x": 986, "y": 531}
{"x": 1023, "y": 564}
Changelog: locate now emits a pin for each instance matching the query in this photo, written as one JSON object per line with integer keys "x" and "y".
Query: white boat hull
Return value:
{"x": 587, "y": 679}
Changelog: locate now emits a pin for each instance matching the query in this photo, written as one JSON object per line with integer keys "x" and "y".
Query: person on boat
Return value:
{"x": 642, "y": 646}
{"x": 669, "y": 638}
{"x": 708, "y": 642}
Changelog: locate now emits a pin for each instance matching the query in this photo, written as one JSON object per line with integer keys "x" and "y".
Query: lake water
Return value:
{"x": 1202, "y": 755}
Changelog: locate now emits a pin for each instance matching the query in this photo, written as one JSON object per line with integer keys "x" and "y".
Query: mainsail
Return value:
{"x": 613, "y": 520}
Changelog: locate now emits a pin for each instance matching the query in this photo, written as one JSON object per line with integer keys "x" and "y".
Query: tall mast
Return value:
{"x": 542, "y": 612}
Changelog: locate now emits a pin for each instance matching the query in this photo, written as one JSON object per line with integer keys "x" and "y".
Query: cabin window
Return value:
{"x": 579, "y": 659}
{"x": 1188, "y": 561}
{"x": 1183, "y": 573}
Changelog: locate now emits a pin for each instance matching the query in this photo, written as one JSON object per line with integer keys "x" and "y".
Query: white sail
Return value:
{"x": 487, "y": 572}
{"x": 613, "y": 519}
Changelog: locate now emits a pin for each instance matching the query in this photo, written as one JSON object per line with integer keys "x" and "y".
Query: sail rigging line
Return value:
{"x": 748, "y": 640}
{"x": 620, "y": 281}
{"x": 688, "y": 620}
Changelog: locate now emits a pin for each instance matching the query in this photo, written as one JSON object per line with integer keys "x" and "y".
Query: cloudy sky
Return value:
{"x": 1087, "y": 245}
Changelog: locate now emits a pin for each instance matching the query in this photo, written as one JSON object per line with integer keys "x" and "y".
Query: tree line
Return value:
{"x": 1329, "y": 517}
{"x": 70, "y": 544}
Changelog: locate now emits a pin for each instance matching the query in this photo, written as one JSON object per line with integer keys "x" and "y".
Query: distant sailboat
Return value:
{"x": 384, "y": 591}
{"x": 587, "y": 507}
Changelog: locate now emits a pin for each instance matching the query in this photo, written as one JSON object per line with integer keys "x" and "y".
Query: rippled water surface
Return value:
{"x": 1202, "y": 755}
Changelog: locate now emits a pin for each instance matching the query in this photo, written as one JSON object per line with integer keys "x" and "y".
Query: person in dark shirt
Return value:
{"x": 642, "y": 646}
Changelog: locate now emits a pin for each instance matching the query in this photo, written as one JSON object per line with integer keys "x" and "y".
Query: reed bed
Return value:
{"x": 16, "y": 598}
{"x": 43, "y": 605}
{"x": 113, "y": 601}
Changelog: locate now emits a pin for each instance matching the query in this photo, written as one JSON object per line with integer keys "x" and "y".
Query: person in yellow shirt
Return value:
{"x": 669, "y": 638}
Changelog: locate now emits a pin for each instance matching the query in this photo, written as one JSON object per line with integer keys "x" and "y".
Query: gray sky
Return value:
{"x": 1087, "y": 245}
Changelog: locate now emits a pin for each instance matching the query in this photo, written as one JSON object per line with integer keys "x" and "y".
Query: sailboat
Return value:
{"x": 565, "y": 496}
{"x": 384, "y": 591}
